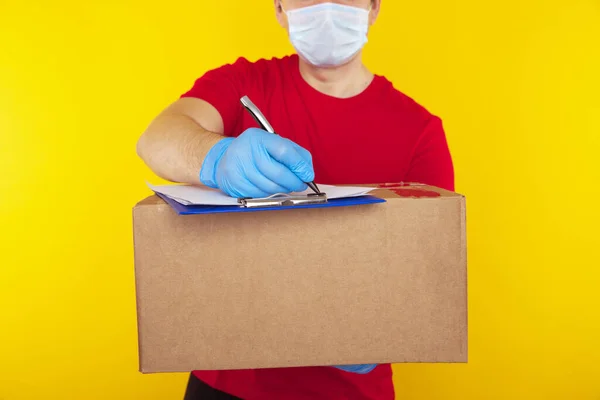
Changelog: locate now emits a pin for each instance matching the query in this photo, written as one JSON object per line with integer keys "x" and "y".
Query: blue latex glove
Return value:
{"x": 257, "y": 164}
{"x": 358, "y": 368}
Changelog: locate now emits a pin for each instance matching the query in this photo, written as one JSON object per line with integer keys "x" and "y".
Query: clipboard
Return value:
{"x": 271, "y": 203}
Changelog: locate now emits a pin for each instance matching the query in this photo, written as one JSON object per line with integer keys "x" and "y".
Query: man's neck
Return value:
{"x": 345, "y": 81}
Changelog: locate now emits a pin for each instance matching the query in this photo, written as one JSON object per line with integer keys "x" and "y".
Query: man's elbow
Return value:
{"x": 146, "y": 147}
{"x": 141, "y": 147}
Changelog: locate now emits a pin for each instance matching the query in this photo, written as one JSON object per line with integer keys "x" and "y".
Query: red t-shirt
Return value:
{"x": 377, "y": 136}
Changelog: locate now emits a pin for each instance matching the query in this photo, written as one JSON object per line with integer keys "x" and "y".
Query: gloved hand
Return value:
{"x": 257, "y": 164}
{"x": 358, "y": 368}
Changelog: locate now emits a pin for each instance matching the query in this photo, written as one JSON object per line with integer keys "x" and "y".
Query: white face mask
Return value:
{"x": 328, "y": 34}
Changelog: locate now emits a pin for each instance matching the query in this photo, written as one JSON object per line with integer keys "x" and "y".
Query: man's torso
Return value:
{"x": 369, "y": 138}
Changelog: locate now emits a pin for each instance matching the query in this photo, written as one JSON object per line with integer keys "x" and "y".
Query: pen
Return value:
{"x": 262, "y": 121}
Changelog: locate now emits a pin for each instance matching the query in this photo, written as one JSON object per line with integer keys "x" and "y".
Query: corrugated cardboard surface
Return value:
{"x": 364, "y": 284}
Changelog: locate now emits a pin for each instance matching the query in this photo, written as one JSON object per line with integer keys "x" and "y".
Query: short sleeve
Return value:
{"x": 431, "y": 161}
{"x": 222, "y": 88}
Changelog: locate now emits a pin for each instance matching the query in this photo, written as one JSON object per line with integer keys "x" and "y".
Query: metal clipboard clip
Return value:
{"x": 283, "y": 199}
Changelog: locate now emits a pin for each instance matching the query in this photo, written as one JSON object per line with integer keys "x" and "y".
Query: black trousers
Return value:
{"x": 198, "y": 390}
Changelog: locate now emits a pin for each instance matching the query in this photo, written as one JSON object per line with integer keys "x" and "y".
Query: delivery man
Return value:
{"x": 337, "y": 123}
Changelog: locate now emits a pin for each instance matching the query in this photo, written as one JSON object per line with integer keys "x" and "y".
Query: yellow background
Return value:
{"x": 517, "y": 84}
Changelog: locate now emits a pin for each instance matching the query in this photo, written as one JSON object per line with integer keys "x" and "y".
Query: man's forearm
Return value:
{"x": 174, "y": 146}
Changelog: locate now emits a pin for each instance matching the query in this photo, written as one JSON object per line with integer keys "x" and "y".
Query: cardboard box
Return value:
{"x": 303, "y": 287}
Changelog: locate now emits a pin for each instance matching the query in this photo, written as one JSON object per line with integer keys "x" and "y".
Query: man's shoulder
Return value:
{"x": 400, "y": 102}
{"x": 401, "y": 109}
{"x": 259, "y": 65}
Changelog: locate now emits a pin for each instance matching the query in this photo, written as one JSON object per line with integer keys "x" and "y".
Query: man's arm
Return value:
{"x": 179, "y": 138}
{"x": 431, "y": 161}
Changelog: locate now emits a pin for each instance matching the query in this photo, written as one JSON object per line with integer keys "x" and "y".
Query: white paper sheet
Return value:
{"x": 201, "y": 195}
